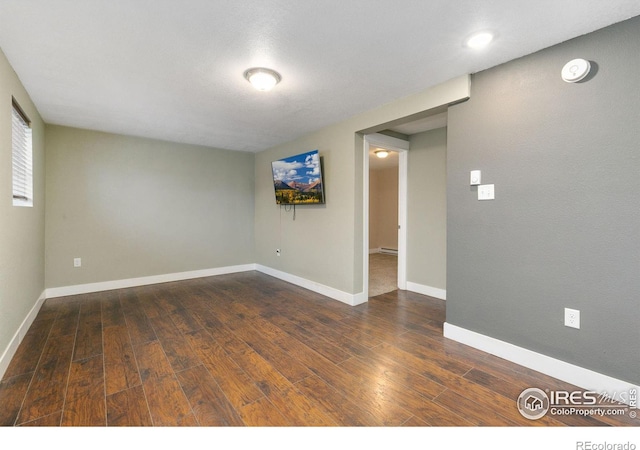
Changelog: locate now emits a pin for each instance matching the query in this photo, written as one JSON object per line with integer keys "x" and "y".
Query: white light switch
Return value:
{"x": 486, "y": 192}
{"x": 77, "y": 262}
{"x": 476, "y": 177}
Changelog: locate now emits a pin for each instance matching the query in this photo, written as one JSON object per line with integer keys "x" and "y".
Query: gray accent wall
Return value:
{"x": 22, "y": 228}
{"x": 564, "y": 228}
{"x": 427, "y": 209}
{"x": 134, "y": 207}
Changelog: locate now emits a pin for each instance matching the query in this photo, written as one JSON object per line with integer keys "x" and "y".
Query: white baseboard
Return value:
{"x": 143, "y": 281}
{"x": 11, "y": 349}
{"x": 427, "y": 290}
{"x": 336, "y": 294}
{"x": 570, "y": 373}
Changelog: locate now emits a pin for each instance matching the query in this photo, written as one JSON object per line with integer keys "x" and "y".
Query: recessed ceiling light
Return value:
{"x": 261, "y": 78}
{"x": 382, "y": 153}
{"x": 480, "y": 40}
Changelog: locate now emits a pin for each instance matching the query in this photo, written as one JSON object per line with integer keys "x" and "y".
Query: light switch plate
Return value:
{"x": 486, "y": 192}
{"x": 475, "y": 178}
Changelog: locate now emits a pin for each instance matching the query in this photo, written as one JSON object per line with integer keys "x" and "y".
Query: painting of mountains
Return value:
{"x": 298, "y": 179}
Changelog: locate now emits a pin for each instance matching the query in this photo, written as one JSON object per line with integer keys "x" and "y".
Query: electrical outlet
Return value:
{"x": 77, "y": 262}
{"x": 572, "y": 318}
{"x": 277, "y": 252}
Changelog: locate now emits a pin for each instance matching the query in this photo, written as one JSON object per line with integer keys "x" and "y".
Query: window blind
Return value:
{"x": 22, "y": 157}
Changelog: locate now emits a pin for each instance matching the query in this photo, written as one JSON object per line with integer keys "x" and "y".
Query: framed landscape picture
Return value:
{"x": 297, "y": 180}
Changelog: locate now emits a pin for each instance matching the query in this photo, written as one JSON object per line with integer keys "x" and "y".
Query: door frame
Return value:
{"x": 402, "y": 147}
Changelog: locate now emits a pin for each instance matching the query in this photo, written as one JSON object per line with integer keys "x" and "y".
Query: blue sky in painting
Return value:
{"x": 303, "y": 168}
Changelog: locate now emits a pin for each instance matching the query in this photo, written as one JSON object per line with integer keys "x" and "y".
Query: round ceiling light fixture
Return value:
{"x": 381, "y": 153}
{"x": 261, "y": 78}
{"x": 479, "y": 40}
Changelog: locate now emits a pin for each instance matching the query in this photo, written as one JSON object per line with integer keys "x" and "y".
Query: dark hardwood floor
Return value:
{"x": 250, "y": 350}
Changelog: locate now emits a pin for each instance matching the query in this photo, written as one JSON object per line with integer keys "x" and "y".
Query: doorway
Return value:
{"x": 386, "y": 253}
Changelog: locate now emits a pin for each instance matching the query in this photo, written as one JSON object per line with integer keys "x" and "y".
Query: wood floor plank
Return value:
{"x": 326, "y": 348}
{"x": 67, "y": 319}
{"x": 342, "y": 335}
{"x": 386, "y": 370}
{"x": 234, "y": 382}
{"x": 478, "y": 414}
{"x": 51, "y": 420}
{"x": 262, "y": 413}
{"x": 140, "y": 329}
{"x": 175, "y": 346}
{"x": 208, "y": 402}
{"x": 112, "y": 314}
{"x": 185, "y": 321}
{"x": 262, "y": 339}
{"x": 298, "y": 409}
{"x": 168, "y": 405}
{"x": 48, "y": 387}
{"x": 218, "y": 330}
{"x": 368, "y": 398}
{"x": 422, "y": 351}
{"x": 121, "y": 370}
{"x": 128, "y": 408}
{"x": 12, "y": 391}
{"x": 343, "y": 411}
{"x": 85, "y": 402}
{"x": 89, "y": 334}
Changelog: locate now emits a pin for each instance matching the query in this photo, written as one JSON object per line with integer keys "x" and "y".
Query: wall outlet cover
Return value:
{"x": 572, "y": 318}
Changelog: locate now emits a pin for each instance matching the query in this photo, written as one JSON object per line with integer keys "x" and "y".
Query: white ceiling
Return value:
{"x": 173, "y": 69}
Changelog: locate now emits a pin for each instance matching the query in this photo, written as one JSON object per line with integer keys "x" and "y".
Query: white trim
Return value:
{"x": 374, "y": 250}
{"x": 143, "y": 281}
{"x": 576, "y": 375}
{"x": 328, "y": 291}
{"x": 387, "y": 142}
{"x": 11, "y": 349}
{"x": 427, "y": 290}
{"x": 403, "y": 189}
{"x": 365, "y": 219}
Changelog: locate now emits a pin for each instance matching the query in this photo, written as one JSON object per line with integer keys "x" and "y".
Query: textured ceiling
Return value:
{"x": 172, "y": 69}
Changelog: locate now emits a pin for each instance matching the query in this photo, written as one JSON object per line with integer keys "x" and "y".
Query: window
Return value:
{"x": 22, "y": 157}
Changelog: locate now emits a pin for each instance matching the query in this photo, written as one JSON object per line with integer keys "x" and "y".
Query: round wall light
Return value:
{"x": 261, "y": 78}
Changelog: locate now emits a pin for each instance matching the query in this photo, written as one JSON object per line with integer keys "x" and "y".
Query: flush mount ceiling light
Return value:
{"x": 261, "y": 78}
{"x": 381, "y": 153}
{"x": 479, "y": 40}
